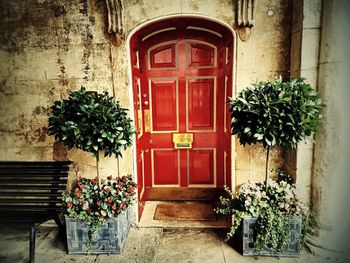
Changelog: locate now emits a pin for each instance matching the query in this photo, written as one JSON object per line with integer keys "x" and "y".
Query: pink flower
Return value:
{"x": 122, "y": 205}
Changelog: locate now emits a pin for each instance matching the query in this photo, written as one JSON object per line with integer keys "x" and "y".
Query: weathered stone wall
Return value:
{"x": 49, "y": 48}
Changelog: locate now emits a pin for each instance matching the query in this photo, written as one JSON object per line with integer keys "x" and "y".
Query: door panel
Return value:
{"x": 201, "y": 100}
{"x": 165, "y": 160}
{"x": 163, "y": 104}
{"x": 163, "y": 56}
{"x": 200, "y": 54}
{"x": 202, "y": 167}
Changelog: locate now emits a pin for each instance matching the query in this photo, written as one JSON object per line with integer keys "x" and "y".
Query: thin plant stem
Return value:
{"x": 267, "y": 165}
{"x": 118, "y": 167}
{"x": 97, "y": 169}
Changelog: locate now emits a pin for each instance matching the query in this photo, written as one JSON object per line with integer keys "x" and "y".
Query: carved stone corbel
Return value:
{"x": 115, "y": 10}
{"x": 244, "y": 11}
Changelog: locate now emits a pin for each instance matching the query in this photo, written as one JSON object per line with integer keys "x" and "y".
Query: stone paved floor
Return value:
{"x": 156, "y": 245}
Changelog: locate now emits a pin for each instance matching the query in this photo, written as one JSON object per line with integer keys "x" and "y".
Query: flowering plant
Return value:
{"x": 90, "y": 204}
{"x": 273, "y": 203}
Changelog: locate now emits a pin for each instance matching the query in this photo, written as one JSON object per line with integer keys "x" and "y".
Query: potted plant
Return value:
{"x": 97, "y": 212}
{"x": 271, "y": 220}
{"x": 272, "y": 113}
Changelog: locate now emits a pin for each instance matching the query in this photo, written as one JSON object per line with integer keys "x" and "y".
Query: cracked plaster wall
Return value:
{"x": 49, "y": 48}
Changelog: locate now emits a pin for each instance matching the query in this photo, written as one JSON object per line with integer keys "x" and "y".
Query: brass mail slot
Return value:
{"x": 182, "y": 140}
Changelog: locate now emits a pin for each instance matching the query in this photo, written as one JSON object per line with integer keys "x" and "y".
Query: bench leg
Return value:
{"x": 32, "y": 244}
{"x": 58, "y": 222}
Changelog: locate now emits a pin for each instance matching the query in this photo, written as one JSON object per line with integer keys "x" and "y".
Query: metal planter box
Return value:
{"x": 109, "y": 238}
{"x": 248, "y": 228}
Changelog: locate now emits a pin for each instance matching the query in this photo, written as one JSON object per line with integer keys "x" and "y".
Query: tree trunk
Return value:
{"x": 97, "y": 170}
{"x": 118, "y": 167}
{"x": 267, "y": 165}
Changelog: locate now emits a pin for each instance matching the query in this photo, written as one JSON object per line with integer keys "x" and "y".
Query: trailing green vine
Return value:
{"x": 273, "y": 203}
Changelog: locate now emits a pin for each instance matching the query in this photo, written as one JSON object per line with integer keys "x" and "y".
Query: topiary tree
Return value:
{"x": 275, "y": 113}
{"x": 91, "y": 122}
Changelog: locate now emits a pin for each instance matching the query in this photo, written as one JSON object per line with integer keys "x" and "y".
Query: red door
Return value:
{"x": 182, "y": 78}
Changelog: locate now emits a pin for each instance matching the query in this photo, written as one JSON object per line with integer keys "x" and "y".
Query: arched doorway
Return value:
{"x": 181, "y": 70}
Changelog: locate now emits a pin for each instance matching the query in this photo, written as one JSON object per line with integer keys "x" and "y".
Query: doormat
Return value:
{"x": 185, "y": 211}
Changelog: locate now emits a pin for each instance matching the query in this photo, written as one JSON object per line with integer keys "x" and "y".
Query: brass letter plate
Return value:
{"x": 182, "y": 140}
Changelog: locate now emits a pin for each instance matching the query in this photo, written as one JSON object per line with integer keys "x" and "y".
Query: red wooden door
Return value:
{"x": 181, "y": 83}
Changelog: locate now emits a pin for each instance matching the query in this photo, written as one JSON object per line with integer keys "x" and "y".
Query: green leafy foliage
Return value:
{"x": 282, "y": 175}
{"x": 275, "y": 113}
{"x": 91, "y": 122}
{"x": 273, "y": 230}
{"x": 273, "y": 203}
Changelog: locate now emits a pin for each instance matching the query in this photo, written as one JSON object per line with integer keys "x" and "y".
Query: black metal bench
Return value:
{"x": 31, "y": 193}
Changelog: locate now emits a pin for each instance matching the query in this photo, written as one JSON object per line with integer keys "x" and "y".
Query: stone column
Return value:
{"x": 330, "y": 180}
{"x": 304, "y": 63}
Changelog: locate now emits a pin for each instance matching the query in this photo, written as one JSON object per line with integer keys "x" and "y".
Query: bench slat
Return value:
{"x": 32, "y": 182}
{"x": 32, "y": 191}
{"x": 17, "y": 170}
{"x": 42, "y": 163}
{"x": 29, "y": 208}
{"x": 33, "y": 187}
{"x": 31, "y": 194}
{"x": 29, "y": 200}
{"x": 34, "y": 176}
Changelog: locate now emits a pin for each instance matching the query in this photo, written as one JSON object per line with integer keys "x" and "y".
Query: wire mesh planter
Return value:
{"x": 109, "y": 239}
{"x": 248, "y": 234}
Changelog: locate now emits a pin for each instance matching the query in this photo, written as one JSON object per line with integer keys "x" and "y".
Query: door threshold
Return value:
{"x": 183, "y": 194}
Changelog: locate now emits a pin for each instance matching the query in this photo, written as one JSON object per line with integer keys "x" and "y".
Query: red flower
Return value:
{"x": 131, "y": 190}
{"x": 109, "y": 177}
{"x": 121, "y": 185}
{"x": 98, "y": 203}
{"x": 122, "y": 205}
{"x": 110, "y": 199}
{"x": 114, "y": 207}
{"x": 70, "y": 204}
{"x": 77, "y": 192}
